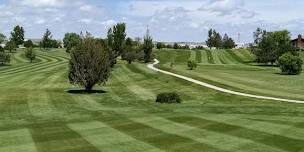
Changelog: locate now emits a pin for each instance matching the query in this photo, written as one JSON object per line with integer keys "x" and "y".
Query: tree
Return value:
{"x": 30, "y": 54}
{"x": 159, "y": 45}
{"x": 192, "y": 64}
{"x": 258, "y": 35}
{"x": 147, "y": 47}
{"x": 217, "y": 40}
{"x": 2, "y": 38}
{"x": 28, "y": 44}
{"x": 228, "y": 43}
{"x": 176, "y": 46}
{"x": 54, "y": 44}
{"x": 46, "y": 40}
{"x": 214, "y": 39}
{"x": 5, "y": 58}
{"x": 210, "y": 40}
{"x": 70, "y": 41}
{"x": 116, "y": 40}
{"x": 89, "y": 64}
{"x": 130, "y": 56}
{"x": 17, "y": 35}
{"x": 128, "y": 46}
{"x": 269, "y": 46}
{"x": 10, "y": 46}
{"x": 290, "y": 64}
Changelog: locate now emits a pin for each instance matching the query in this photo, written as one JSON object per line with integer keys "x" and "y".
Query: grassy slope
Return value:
{"x": 238, "y": 73}
{"x": 37, "y": 113}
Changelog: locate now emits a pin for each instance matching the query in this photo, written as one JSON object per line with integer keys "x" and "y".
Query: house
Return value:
{"x": 298, "y": 43}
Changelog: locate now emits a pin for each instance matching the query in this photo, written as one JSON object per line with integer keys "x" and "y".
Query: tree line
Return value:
{"x": 215, "y": 40}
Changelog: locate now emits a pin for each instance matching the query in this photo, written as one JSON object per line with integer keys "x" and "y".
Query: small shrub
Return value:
{"x": 192, "y": 65}
{"x": 169, "y": 97}
{"x": 290, "y": 64}
{"x": 30, "y": 54}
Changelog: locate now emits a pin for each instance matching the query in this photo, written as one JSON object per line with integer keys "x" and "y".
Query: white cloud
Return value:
{"x": 43, "y": 3}
{"x": 86, "y": 8}
{"x": 86, "y": 21}
{"x": 108, "y": 23}
{"x": 40, "y": 21}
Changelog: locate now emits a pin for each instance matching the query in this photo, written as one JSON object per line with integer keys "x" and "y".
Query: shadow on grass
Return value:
{"x": 5, "y": 65}
{"x": 86, "y": 92}
{"x": 285, "y": 74}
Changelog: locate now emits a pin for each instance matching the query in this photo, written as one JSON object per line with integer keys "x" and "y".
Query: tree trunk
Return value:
{"x": 130, "y": 62}
{"x": 88, "y": 88}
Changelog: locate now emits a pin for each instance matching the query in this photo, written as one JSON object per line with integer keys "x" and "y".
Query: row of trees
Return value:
{"x": 17, "y": 38}
{"x": 215, "y": 40}
{"x": 276, "y": 48}
{"x": 160, "y": 45}
{"x": 92, "y": 58}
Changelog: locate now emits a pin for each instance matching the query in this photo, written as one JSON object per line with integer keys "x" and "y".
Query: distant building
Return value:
{"x": 298, "y": 43}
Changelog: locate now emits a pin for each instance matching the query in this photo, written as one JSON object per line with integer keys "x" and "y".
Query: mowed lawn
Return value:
{"x": 234, "y": 69}
{"x": 40, "y": 113}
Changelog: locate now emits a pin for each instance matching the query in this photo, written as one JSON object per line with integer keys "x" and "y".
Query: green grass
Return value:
{"x": 37, "y": 114}
{"x": 237, "y": 72}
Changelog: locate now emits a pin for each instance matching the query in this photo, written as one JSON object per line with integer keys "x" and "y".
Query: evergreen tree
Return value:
{"x": 46, "y": 40}
{"x": 147, "y": 47}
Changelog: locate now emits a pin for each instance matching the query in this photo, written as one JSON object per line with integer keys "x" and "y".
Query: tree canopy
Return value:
{"x": 17, "y": 35}
{"x": 269, "y": 46}
{"x": 71, "y": 40}
{"x": 116, "y": 41}
{"x": 89, "y": 64}
{"x": 228, "y": 42}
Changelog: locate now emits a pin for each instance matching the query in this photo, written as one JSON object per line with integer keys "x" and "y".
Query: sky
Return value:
{"x": 168, "y": 20}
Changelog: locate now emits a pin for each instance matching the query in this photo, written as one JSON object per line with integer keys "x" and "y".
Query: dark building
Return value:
{"x": 298, "y": 43}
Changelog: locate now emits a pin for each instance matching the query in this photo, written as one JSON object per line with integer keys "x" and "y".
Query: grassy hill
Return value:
{"x": 234, "y": 69}
{"x": 39, "y": 112}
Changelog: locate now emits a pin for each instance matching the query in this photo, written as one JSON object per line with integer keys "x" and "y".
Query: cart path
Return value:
{"x": 151, "y": 66}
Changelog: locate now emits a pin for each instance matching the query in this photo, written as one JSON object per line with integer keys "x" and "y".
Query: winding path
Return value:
{"x": 151, "y": 66}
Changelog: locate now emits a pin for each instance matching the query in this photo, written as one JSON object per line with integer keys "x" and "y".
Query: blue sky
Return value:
{"x": 168, "y": 20}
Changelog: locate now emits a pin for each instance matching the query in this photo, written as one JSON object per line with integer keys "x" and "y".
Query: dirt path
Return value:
{"x": 151, "y": 66}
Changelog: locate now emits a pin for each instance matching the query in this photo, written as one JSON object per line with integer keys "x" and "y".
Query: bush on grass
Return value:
{"x": 290, "y": 64}
{"x": 169, "y": 97}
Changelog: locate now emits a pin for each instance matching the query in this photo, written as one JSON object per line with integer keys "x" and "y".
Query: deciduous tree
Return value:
{"x": 116, "y": 40}
{"x": 89, "y": 64}
{"x": 17, "y": 35}
{"x": 71, "y": 40}
{"x": 269, "y": 46}
{"x": 10, "y": 46}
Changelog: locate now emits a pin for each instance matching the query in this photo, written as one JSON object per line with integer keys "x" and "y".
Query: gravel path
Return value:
{"x": 151, "y": 66}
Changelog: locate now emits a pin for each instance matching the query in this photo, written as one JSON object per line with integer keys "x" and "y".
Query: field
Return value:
{"x": 41, "y": 112}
